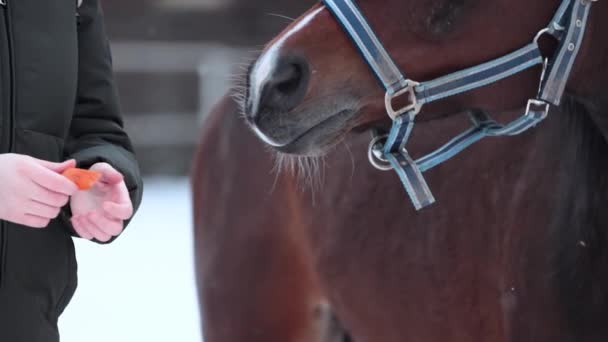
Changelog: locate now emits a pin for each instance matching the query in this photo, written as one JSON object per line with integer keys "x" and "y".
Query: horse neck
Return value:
{"x": 579, "y": 229}
{"x": 530, "y": 208}
{"x": 581, "y": 142}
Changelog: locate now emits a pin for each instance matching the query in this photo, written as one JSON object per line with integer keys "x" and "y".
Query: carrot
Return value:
{"x": 84, "y": 179}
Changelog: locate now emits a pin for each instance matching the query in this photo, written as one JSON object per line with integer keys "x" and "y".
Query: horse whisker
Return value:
{"x": 290, "y": 19}
{"x": 307, "y": 170}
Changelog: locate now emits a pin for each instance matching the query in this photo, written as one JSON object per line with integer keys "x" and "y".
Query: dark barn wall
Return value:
{"x": 244, "y": 22}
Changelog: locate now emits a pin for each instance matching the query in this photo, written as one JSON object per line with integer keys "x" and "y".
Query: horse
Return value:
{"x": 515, "y": 247}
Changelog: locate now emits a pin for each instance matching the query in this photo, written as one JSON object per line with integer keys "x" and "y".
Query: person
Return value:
{"x": 58, "y": 109}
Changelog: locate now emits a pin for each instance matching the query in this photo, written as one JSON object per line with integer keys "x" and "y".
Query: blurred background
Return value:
{"x": 173, "y": 60}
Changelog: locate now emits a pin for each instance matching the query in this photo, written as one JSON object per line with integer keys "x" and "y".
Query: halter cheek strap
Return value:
{"x": 355, "y": 24}
{"x": 554, "y": 85}
{"x": 389, "y": 152}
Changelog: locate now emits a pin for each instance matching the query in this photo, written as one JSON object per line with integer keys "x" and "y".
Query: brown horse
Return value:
{"x": 516, "y": 248}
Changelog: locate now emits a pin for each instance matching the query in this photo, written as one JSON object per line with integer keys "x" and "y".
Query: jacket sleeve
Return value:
{"x": 97, "y": 133}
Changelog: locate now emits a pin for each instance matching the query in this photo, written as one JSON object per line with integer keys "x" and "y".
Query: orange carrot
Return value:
{"x": 84, "y": 179}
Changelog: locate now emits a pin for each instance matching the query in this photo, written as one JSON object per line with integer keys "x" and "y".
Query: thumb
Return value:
{"x": 57, "y": 167}
{"x": 109, "y": 174}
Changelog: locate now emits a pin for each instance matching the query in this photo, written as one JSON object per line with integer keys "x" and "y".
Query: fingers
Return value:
{"x": 52, "y": 181}
{"x": 97, "y": 226}
{"x": 34, "y": 221}
{"x": 109, "y": 174}
{"x": 122, "y": 211}
{"x": 108, "y": 225}
{"x": 56, "y": 167}
{"x": 97, "y": 232}
{"x": 42, "y": 210}
{"x": 48, "y": 197}
{"x": 80, "y": 228}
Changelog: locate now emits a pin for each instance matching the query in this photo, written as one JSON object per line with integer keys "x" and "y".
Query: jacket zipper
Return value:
{"x": 8, "y": 129}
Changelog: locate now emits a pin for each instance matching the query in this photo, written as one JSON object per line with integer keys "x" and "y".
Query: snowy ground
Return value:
{"x": 142, "y": 287}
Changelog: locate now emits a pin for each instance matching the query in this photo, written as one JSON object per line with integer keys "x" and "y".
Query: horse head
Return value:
{"x": 310, "y": 86}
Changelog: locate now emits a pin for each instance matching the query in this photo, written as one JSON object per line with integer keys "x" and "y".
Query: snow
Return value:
{"x": 142, "y": 287}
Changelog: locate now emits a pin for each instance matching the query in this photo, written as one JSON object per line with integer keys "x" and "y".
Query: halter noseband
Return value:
{"x": 388, "y": 152}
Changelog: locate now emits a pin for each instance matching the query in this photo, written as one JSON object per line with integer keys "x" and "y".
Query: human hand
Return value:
{"x": 99, "y": 213}
{"x": 32, "y": 191}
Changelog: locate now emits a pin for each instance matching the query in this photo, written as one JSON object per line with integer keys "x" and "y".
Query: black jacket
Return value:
{"x": 57, "y": 101}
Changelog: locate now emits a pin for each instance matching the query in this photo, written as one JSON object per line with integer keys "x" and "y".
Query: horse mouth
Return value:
{"x": 317, "y": 139}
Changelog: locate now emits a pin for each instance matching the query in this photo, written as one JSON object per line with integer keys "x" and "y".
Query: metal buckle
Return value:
{"x": 537, "y": 106}
{"x": 375, "y": 153}
{"x": 414, "y": 106}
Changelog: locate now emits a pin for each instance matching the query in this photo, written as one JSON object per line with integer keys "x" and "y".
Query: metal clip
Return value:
{"x": 536, "y": 106}
{"x": 414, "y": 106}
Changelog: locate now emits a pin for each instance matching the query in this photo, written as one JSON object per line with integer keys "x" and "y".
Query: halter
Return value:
{"x": 388, "y": 152}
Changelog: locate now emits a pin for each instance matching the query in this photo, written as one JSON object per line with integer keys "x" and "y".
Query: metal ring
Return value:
{"x": 542, "y": 33}
{"x": 375, "y": 155}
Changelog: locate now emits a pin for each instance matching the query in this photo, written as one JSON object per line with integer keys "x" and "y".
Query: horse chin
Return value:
{"x": 318, "y": 140}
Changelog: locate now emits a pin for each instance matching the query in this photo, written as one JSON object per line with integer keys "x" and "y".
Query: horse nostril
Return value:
{"x": 285, "y": 87}
{"x": 289, "y": 79}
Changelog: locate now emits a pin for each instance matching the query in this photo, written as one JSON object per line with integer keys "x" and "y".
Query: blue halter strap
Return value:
{"x": 388, "y": 152}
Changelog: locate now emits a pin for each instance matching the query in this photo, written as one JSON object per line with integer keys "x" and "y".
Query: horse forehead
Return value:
{"x": 424, "y": 11}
